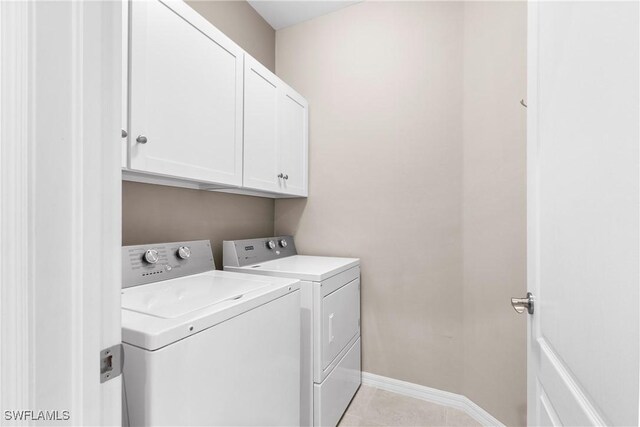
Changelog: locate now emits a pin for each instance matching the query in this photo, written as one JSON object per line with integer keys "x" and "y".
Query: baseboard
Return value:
{"x": 433, "y": 395}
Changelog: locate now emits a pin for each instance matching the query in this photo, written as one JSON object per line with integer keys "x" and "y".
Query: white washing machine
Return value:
{"x": 207, "y": 347}
{"x": 330, "y": 301}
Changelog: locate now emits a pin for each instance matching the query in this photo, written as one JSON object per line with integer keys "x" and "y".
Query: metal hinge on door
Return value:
{"x": 111, "y": 362}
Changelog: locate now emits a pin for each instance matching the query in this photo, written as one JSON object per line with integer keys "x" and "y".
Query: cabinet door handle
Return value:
{"x": 141, "y": 139}
{"x": 280, "y": 175}
{"x": 124, "y": 133}
{"x": 286, "y": 177}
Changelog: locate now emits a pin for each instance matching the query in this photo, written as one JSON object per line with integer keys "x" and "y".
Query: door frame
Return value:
{"x": 15, "y": 279}
{"x": 532, "y": 206}
{"x": 60, "y": 208}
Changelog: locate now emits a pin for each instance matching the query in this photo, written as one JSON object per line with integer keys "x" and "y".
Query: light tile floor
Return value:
{"x": 374, "y": 407}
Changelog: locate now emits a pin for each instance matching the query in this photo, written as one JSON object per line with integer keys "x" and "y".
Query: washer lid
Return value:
{"x": 177, "y": 297}
{"x": 158, "y": 314}
{"x": 303, "y": 267}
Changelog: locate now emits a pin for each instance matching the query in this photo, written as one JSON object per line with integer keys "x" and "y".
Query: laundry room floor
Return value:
{"x": 374, "y": 407}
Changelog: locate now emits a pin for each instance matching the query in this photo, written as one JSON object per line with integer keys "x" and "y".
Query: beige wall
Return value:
{"x": 242, "y": 24}
{"x": 154, "y": 214}
{"x": 417, "y": 167}
{"x": 494, "y": 209}
{"x": 383, "y": 81}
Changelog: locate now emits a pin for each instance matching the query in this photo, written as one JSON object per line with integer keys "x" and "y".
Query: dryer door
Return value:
{"x": 340, "y": 320}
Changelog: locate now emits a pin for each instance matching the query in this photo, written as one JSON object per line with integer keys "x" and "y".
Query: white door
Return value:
{"x": 261, "y": 97}
{"x": 60, "y": 211}
{"x": 186, "y": 95}
{"x": 294, "y": 142}
{"x": 583, "y": 213}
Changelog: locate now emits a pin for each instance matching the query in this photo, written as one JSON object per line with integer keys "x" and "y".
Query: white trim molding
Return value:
{"x": 432, "y": 395}
{"x": 16, "y": 221}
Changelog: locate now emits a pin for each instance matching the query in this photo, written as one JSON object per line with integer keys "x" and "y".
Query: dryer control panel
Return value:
{"x": 150, "y": 263}
{"x": 238, "y": 253}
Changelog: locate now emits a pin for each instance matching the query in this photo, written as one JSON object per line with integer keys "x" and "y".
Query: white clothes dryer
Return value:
{"x": 330, "y": 301}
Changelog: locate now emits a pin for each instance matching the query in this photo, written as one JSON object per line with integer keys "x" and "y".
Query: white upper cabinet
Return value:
{"x": 261, "y": 99}
{"x": 293, "y": 142}
{"x": 275, "y": 133}
{"x": 186, "y": 108}
{"x": 201, "y": 113}
{"x": 124, "y": 83}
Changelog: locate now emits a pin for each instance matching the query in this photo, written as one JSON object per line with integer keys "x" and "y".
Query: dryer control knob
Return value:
{"x": 151, "y": 256}
{"x": 283, "y": 243}
{"x": 271, "y": 244}
{"x": 184, "y": 252}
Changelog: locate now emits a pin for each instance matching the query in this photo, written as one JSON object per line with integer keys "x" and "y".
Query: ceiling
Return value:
{"x": 284, "y": 13}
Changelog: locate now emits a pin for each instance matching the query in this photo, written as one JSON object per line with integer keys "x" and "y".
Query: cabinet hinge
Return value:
{"x": 111, "y": 362}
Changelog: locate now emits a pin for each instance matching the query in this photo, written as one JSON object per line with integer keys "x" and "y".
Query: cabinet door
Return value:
{"x": 124, "y": 143}
{"x": 293, "y": 142}
{"x": 261, "y": 97}
{"x": 186, "y": 95}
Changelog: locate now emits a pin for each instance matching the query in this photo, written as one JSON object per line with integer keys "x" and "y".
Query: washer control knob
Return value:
{"x": 283, "y": 243}
{"x": 151, "y": 256}
{"x": 271, "y": 244}
{"x": 184, "y": 252}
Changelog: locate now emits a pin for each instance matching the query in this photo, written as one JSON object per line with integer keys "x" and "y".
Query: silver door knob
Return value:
{"x": 522, "y": 304}
{"x": 124, "y": 133}
{"x": 141, "y": 139}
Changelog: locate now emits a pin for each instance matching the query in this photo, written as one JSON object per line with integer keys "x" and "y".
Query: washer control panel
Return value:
{"x": 238, "y": 253}
{"x": 142, "y": 264}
